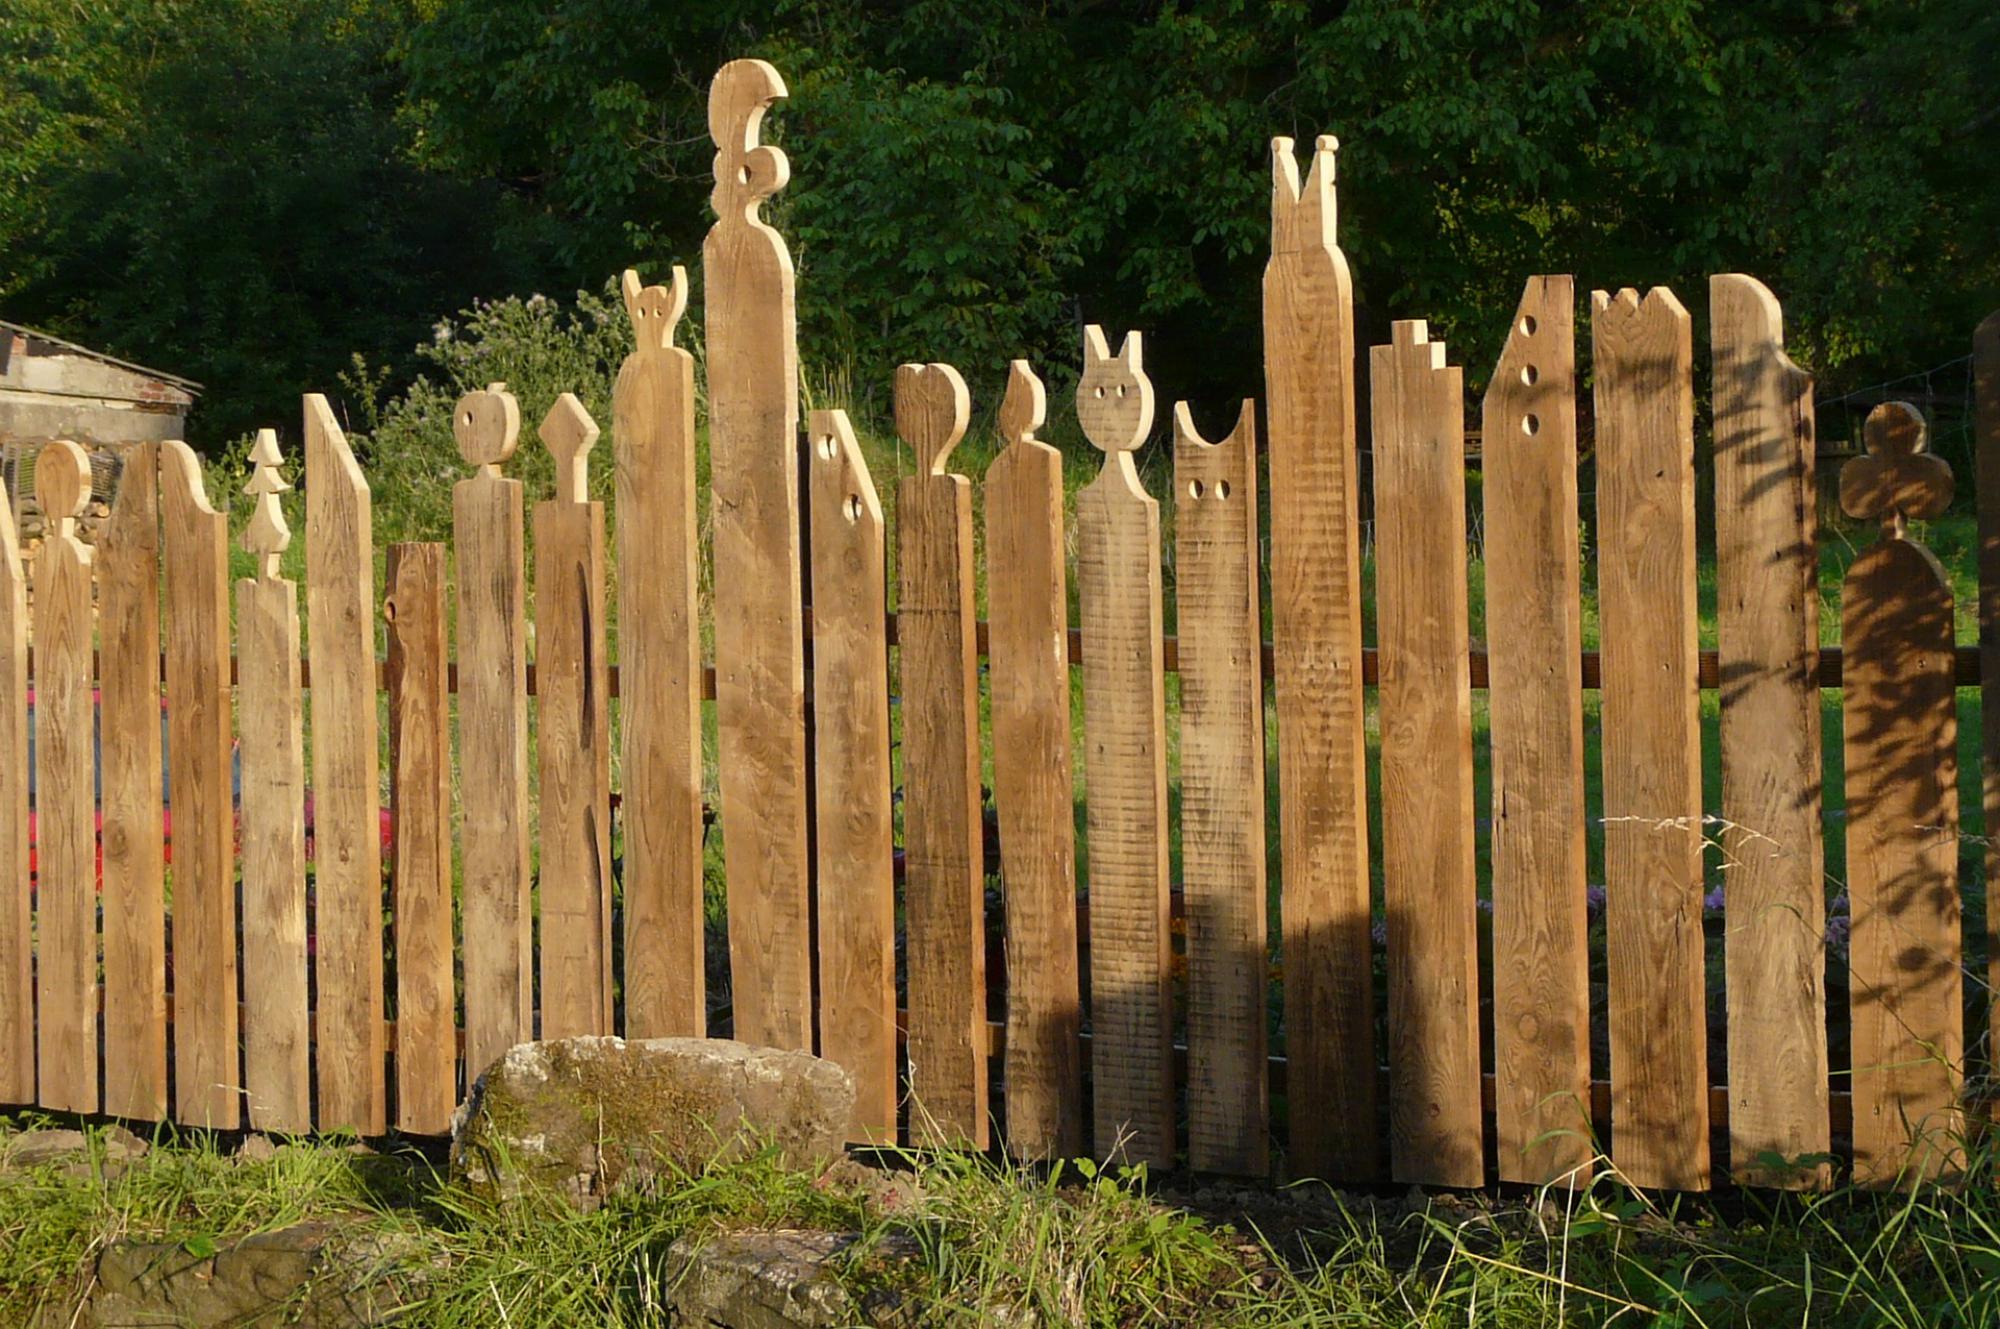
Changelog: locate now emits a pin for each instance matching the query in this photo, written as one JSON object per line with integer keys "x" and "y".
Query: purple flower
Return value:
{"x": 1712, "y": 902}
{"x": 1593, "y": 899}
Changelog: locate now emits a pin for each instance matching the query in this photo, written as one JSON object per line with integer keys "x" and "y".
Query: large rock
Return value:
{"x": 586, "y": 1116}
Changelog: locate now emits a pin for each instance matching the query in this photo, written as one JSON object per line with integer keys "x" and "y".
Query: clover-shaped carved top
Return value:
{"x": 746, "y": 172}
{"x": 655, "y": 311}
{"x": 1898, "y": 479}
{"x": 1114, "y": 398}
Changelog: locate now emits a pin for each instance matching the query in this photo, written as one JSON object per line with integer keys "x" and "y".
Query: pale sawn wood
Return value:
{"x": 17, "y": 925}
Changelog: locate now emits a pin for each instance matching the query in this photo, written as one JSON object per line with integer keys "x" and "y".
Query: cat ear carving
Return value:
{"x": 1114, "y": 398}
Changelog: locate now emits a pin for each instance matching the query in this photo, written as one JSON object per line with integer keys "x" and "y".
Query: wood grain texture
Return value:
{"x": 65, "y": 791}
{"x": 1316, "y": 643}
{"x": 420, "y": 789}
{"x": 1899, "y": 714}
{"x": 659, "y": 652}
{"x": 573, "y": 748}
{"x": 1429, "y": 873}
{"x": 944, "y": 897}
{"x": 1767, "y": 611}
{"x": 753, "y": 376}
{"x": 854, "y": 845}
{"x": 347, "y": 815}
{"x": 1222, "y": 793}
{"x": 132, "y": 837}
{"x": 17, "y": 925}
{"x": 1986, "y": 487}
{"x": 1541, "y": 982}
{"x": 1648, "y": 618}
{"x": 277, "y": 1039}
{"x": 1124, "y": 717}
{"x": 1028, "y": 611}
{"x": 194, "y": 550}
{"x": 492, "y": 734}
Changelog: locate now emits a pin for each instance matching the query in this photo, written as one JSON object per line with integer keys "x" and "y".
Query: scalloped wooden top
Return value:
{"x": 1114, "y": 398}
{"x": 746, "y": 172}
{"x": 932, "y": 411}
{"x": 1898, "y": 479}
{"x": 655, "y": 311}
{"x": 268, "y": 534}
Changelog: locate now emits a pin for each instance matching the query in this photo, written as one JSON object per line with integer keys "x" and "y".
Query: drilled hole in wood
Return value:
{"x": 1528, "y": 375}
{"x": 1194, "y": 489}
{"x": 1222, "y": 489}
{"x": 853, "y": 507}
{"x": 827, "y": 448}
{"x": 1099, "y": 392}
{"x": 743, "y": 175}
{"x": 1531, "y": 425}
{"x": 1121, "y": 389}
{"x": 1527, "y": 325}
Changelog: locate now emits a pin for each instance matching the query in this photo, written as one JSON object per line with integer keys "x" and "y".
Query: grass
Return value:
{"x": 975, "y": 1239}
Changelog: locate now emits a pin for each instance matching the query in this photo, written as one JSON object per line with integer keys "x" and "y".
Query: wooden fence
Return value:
{"x": 228, "y": 995}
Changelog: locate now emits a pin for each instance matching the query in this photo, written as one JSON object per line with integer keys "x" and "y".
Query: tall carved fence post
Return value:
{"x": 1767, "y": 634}
{"x": 1541, "y": 961}
{"x": 492, "y": 731}
{"x": 276, "y": 1038}
{"x": 346, "y": 774}
{"x": 753, "y": 408}
{"x": 65, "y": 791}
{"x": 855, "y": 844}
{"x": 1986, "y": 388}
{"x": 573, "y": 696}
{"x": 659, "y": 656}
{"x": 1316, "y": 645}
{"x": 17, "y": 927}
{"x": 1899, "y": 713}
{"x": 1125, "y": 769}
{"x": 1028, "y": 623}
{"x": 1657, "y": 955}
{"x": 944, "y": 896}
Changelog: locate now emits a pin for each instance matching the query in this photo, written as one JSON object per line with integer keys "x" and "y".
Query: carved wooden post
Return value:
{"x": 1899, "y": 714}
{"x": 17, "y": 928}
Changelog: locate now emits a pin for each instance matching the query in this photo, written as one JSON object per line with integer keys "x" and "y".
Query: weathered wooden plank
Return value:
{"x": 195, "y": 552}
{"x": 492, "y": 732}
{"x": 1316, "y": 643}
{"x": 1429, "y": 873}
{"x": 420, "y": 774}
{"x": 573, "y": 748}
{"x": 1222, "y": 792}
{"x": 17, "y": 926}
{"x": 347, "y": 815}
{"x": 277, "y": 1039}
{"x": 1899, "y": 713}
{"x": 1028, "y": 608}
{"x": 1986, "y": 452}
{"x": 132, "y": 836}
{"x": 1644, "y": 360}
{"x": 944, "y": 898}
{"x": 1541, "y": 978}
{"x": 1124, "y": 717}
{"x": 855, "y": 841}
{"x": 659, "y": 652}
{"x": 65, "y": 791}
{"x": 1767, "y": 603}
{"x": 753, "y": 411}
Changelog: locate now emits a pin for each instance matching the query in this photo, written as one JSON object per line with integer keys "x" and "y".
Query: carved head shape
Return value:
{"x": 487, "y": 425}
{"x": 1114, "y": 398}
{"x": 655, "y": 311}
{"x": 62, "y": 484}
{"x": 1897, "y": 479}
{"x": 1025, "y": 407}
{"x": 932, "y": 410}
{"x": 746, "y": 172}
{"x": 1302, "y": 217}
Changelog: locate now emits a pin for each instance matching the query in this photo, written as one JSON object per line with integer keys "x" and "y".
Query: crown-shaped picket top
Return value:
{"x": 932, "y": 411}
{"x": 1303, "y": 217}
{"x": 746, "y": 172}
{"x": 62, "y": 484}
{"x": 1898, "y": 479}
{"x": 487, "y": 425}
{"x": 655, "y": 311}
{"x": 1025, "y": 408}
{"x": 569, "y": 433}
{"x": 1114, "y": 398}
{"x": 268, "y": 535}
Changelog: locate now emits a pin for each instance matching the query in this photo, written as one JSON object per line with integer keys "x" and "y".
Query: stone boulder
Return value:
{"x": 586, "y": 1116}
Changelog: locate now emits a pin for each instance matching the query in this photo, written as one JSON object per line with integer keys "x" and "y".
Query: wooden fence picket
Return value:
{"x": 1028, "y": 621}
{"x": 573, "y": 748}
{"x": 194, "y": 551}
{"x": 133, "y": 838}
{"x": 346, "y": 773}
{"x": 277, "y": 1039}
{"x": 855, "y": 841}
{"x": 753, "y": 414}
{"x": 1316, "y": 649}
{"x": 1986, "y": 449}
{"x": 17, "y": 925}
{"x": 1656, "y": 953}
{"x": 1899, "y": 710}
{"x": 659, "y": 656}
{"x": 65, "y": 790}
{"x": 944, "y": 895}
{"x": 1767, "y": 595}
{"x": 1222, "y": 793}
{"x": 492, "y": 732}
{"x": 1124, "y": 717}
{"x": 420, "y": 776}
{"x": 1429, "y": 867}
{"x": 1541, "y": 973}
